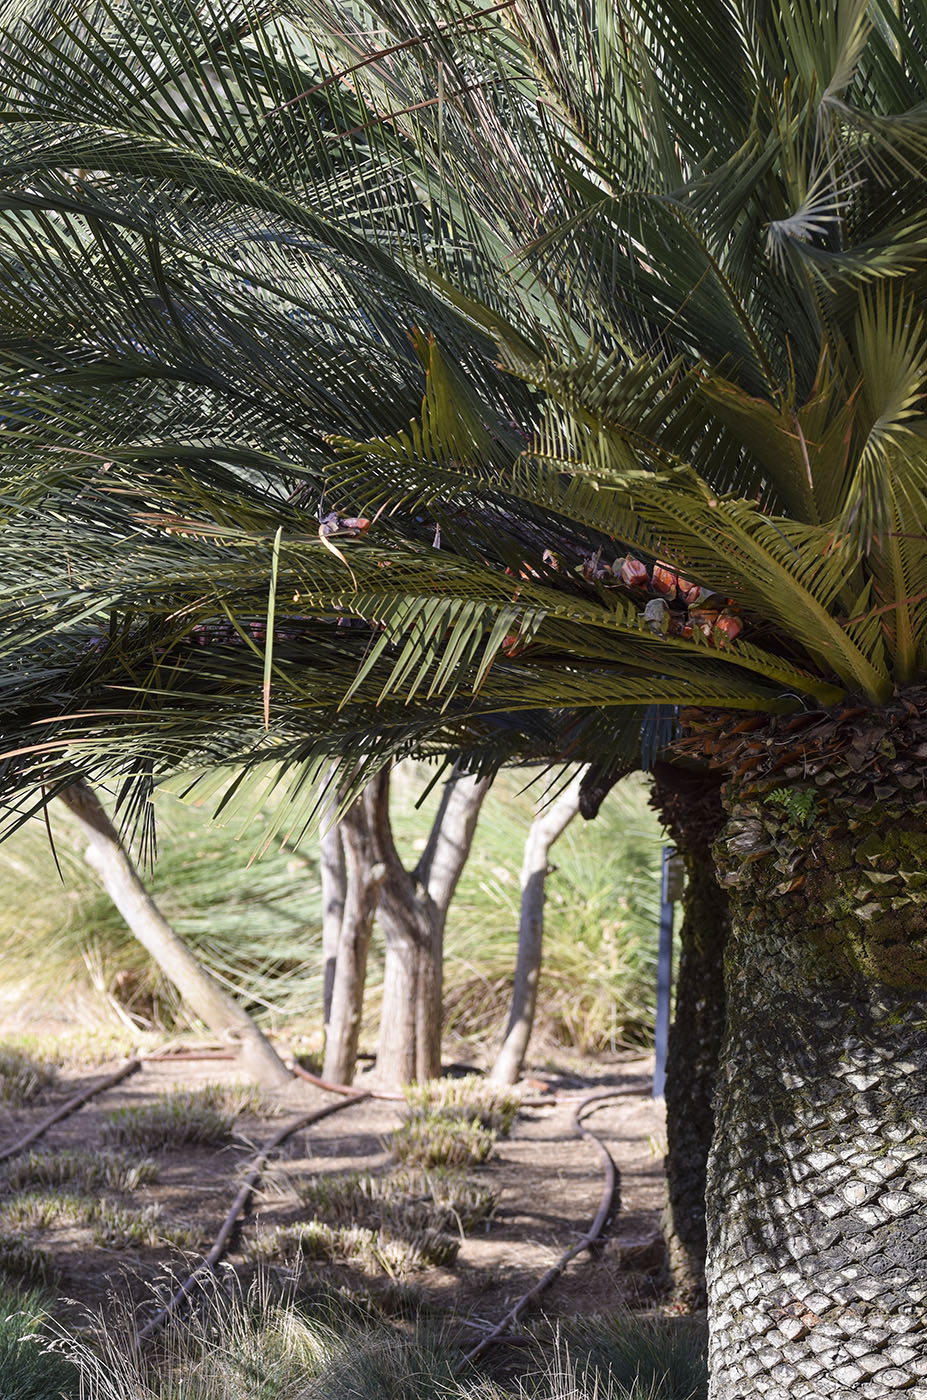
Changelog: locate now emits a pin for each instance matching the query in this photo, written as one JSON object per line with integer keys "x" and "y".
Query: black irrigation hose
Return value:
{"x": 238, "y": 1205}
{"x": 610, "y": 1185}
{"x": 72, "y": 1105}
{"x": 591, "y": 1102}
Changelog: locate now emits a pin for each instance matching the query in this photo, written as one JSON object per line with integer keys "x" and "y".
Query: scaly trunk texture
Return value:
{"x": 200, "y": 991}
{"x": 818, "y": 1175}
{"x": 549, "y": 823}
{"x": 689, "y": 804}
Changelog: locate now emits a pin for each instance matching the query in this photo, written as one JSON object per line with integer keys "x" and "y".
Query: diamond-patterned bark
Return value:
{"x": 818, "y": 1178}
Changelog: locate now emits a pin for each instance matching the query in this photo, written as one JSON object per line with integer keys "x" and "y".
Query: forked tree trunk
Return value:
{"x": 689, "y": 803}
{"x": 818, "y": 1175}
{"x": 549, "y": 823}
{"x": 412, "y": 911}
{"x": 362, "y": 880}
{"x": 200, "y": 991}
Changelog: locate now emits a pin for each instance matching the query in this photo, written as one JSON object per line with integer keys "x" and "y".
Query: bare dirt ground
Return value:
{"x": 549, "y": 1185}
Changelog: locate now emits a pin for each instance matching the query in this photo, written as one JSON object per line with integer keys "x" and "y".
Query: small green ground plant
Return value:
{"x": 112, "y": 1226}
{"x": 203, "y": 1117}
{"x": 469, "y": 1097}
{"x": 433, "y": 1140}
{"x": 80, "y": 1169}
{"x": 437, "y": 1200}
{"x": 375, "y": 1251}
{"x": 21, "y": 1262}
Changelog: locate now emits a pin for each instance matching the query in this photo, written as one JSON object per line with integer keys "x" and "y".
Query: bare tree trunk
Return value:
{"x": 106, "y": 855}
{"x": 334, "y": 894}
{"x": 412, "y": 911}
{"x": 362, "y": 877}
{"x": 549, "y": 823}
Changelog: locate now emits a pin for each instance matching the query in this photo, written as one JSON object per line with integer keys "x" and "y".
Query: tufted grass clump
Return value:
{"x": 112, "y": 1226}
{"x": 375, "y": 1251}
{"x": 470, "y": 1097}
{"x": 260, "y": 1346}
{"x": 22, "y": 1076}
{"x": 115, "y": 1227}
{"x": 184, "y": 1118}
{"x": 399, "y": 1200}
{"x": 431, "y": 1139}
{"x": 82, "y": 1169}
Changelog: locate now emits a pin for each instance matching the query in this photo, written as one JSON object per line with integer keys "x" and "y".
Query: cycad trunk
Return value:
{"x": 818, "y": 1176}
{"x": 689, "y": 803}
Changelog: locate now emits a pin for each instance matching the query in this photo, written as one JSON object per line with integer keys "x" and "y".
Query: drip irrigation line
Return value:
{"x": 609, "y": 1187}
{"x": 72, "y": 1105}
{"x": 208, "y": 1264}
{"x": 345, "y": 1088}
{"x": 540, "y": 1101}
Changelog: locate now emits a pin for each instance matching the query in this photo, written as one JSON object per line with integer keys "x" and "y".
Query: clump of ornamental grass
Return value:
{"x": 29, "y": 1369}
{"x": 624, "y": 1357}
{"x": 257, "y": 1347}
{"x": 184, "y": 1118}
{"x": 466, "y": 1098}
{"x": 82, "y": 1169}
{"x": 112, "y": 1226}
{"x": 375, "y": 1251}
{"x": 431, "y": 1139}
{"x": 22, "y": 1077}
{"x": 439, "y": 1199}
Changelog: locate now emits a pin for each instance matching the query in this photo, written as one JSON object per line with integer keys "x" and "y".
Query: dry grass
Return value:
{"x": 495, "y": 1106}
{"x": 185, "y": 1118}
{"x": 112, "y": 1226}
{"x": 432, "y": 1140}
{"x": 82, "y": 1169}
{"x": 22, "y": 1076}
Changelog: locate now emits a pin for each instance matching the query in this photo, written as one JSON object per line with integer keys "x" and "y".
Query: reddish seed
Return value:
{"x": 727, "y": 627}
{"x": 634, "y": 574}
{"x": 664, "y": 580}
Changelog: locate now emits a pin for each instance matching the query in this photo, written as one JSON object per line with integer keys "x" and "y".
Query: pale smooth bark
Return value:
{"x": 334, "y": 879}
{"x": 549, "y": 823}
{"x": 412, "y": 911}
{"x": 107, "y": 856}
{"x": 362, "y": 877}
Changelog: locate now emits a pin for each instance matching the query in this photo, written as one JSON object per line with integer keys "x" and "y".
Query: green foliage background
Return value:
{"x": 258, "y": 926}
